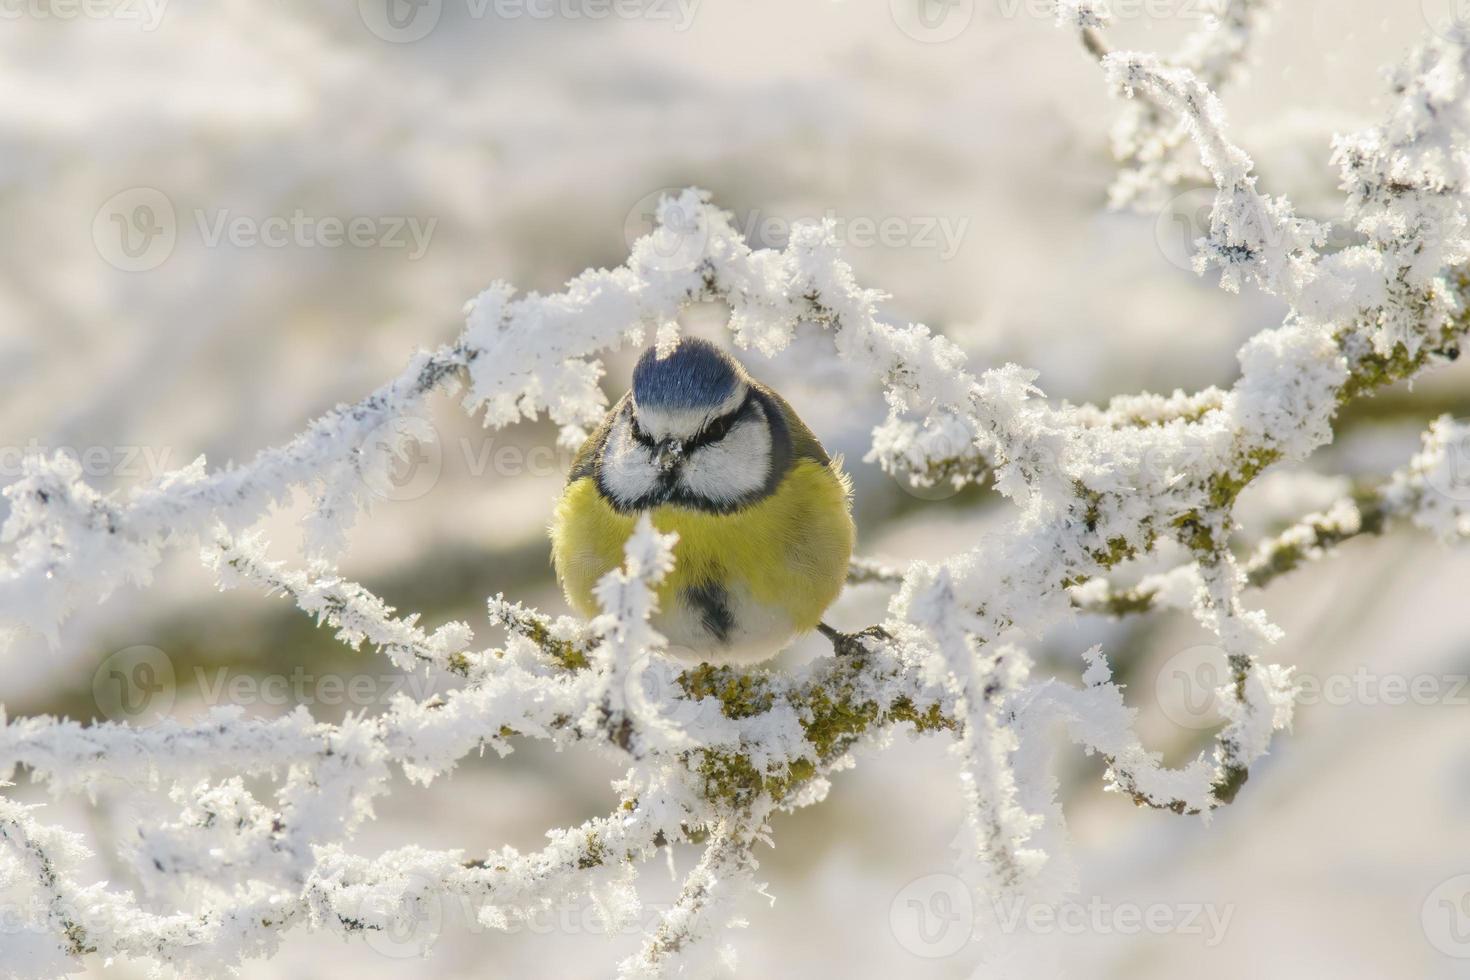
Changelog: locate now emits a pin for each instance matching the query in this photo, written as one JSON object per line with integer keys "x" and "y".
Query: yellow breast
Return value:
{"x": 788, "y": 551}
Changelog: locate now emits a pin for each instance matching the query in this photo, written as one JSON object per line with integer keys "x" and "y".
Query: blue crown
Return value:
{"x": 696, "y": 374}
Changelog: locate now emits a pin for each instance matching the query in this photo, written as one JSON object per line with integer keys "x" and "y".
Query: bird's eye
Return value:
{"x": 640, "y": 436}
{"x": 716, "y": 430}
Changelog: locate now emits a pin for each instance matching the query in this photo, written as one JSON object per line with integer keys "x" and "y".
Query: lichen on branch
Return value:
{"x": 713, "y": 756}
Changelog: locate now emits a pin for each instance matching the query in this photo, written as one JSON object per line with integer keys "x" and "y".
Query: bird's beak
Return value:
{"x": 669, "y": 454}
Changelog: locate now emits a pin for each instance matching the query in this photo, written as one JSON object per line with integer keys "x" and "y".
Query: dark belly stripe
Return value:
{"x": 713, "y": 603}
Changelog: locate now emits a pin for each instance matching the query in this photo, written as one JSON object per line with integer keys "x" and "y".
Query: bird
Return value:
{"x": 763, "y": 514}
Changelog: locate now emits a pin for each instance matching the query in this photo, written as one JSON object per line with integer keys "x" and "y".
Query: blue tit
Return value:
{"x": 762, "y": 512}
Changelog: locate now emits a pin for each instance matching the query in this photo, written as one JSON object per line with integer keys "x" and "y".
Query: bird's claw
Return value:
{"x": 851, "y": 644}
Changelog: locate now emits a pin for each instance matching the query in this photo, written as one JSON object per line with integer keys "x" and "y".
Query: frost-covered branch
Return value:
{"x": 1429, "y": 493}
{"x": 706, "y": 904}
{"x": 1149, "y": 140}
{"x": 354, "y": 612}
{"x": 713, "y": 755}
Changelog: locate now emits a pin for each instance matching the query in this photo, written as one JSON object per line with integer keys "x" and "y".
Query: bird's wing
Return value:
{"x": 585, "y": 462}
{"x": 804, "y": 442}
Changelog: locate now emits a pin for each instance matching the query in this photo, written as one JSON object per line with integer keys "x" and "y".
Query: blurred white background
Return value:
{"x": 149, "y": 154}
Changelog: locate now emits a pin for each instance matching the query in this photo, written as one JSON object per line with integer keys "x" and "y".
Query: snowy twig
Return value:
{"x": 713, "y": 753}
{"x": 1149, "y": 140}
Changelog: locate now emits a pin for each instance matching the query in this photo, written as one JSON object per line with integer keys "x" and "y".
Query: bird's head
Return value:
{"x": 694, "y": 430}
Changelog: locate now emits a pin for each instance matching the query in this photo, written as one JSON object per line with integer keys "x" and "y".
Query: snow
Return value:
{"x": 1090, "y": 487}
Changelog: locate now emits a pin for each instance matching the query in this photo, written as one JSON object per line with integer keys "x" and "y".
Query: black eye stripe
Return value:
{"x": 636, "y": 430}
{"x": 713, "y": 431}
{"x": 716, "y": 429}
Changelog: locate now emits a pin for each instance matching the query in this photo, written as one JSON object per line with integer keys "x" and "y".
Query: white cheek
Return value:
{"x": 628, "y": 472}
{"x": 734, "y": 468}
